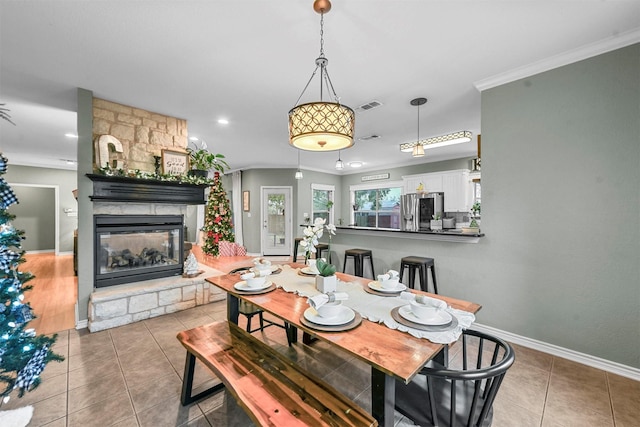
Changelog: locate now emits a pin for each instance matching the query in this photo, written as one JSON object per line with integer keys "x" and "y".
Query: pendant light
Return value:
{"x": 321, "y": 126}
{"x": 418, "y": 149}
{"x": 438, "y": 141}
{"x": 339, "y": 163}
{"x": 298, "y": 174}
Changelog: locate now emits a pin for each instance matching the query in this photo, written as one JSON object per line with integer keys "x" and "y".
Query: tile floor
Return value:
{"x": 131, "y": 376}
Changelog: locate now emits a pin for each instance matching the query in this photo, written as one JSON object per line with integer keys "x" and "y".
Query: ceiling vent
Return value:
{"x": 370, "y": 105}
{"x": 369, "y": 138}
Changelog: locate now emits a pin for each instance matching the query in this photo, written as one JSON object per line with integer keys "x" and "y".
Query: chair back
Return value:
{"x": 462, "y": 393}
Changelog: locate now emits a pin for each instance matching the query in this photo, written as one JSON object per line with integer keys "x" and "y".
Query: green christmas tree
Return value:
{"x": 23, "y": 354}
{"x": 218, "y": 225}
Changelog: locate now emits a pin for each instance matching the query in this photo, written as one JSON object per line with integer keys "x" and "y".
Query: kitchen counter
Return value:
{"x": 451, "y": 235}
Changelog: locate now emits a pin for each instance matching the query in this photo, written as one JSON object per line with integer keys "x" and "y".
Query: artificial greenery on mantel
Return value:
{"x": 138, "y": 174}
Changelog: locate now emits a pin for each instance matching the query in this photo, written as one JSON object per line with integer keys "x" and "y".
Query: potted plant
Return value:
{"x": 436, "y": 222}
{"x": 202, "y": 160}
{"x": 326, "y": 280}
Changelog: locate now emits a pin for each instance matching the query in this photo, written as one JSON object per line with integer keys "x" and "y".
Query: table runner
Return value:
{"x": 372, "y": 307}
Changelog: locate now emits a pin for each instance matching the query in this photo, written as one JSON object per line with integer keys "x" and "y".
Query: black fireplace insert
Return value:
{"x": 133, "y": 248}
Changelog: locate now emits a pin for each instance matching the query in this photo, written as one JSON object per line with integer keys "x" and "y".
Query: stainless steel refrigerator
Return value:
{"x": 409, "y": 212}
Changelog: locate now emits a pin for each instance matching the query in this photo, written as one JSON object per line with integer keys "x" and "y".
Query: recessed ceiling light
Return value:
{"x": 356, "y": 164}
{"x": 193, "y": 138}
{"x": 70, "y": 135}
{"x": 223, "y": 121}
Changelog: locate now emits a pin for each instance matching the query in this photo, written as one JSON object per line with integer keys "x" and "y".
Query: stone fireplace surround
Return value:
{"x": 122, "y": 304}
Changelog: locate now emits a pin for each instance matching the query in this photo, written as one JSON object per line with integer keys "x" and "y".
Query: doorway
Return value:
{"x": 276, "y": 220}
{"x": 37, "y": 214}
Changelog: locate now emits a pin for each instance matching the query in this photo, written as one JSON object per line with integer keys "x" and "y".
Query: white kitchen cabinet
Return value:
{"x": 458, "y": 191}
{"x": 431, "y": 182}
{"x": 456, "y": 185}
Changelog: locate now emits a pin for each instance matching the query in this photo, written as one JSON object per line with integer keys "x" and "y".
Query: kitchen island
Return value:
{"x": 451, "y": 235}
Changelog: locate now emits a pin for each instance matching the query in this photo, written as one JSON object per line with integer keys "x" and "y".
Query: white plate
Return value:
{"x": 376, "y": 286}
{"x": 345, "y": 315}
{"x": 242, "y": 286}
{"x": 307, "y": 270}
{"x": 442, "y": 317}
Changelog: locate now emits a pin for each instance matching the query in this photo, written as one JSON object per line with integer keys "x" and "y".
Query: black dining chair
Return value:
{"x": 463, "y": 393}
{"x": 250, "y": 310}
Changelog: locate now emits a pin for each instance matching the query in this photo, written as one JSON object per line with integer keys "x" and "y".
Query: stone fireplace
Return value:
{"x": 152, "y": 212}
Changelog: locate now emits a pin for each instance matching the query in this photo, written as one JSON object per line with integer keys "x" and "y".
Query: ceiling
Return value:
{"x": 248, "y": 61}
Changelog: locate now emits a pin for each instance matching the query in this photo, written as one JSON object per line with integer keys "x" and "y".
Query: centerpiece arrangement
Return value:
{"x": 326, "y": 279}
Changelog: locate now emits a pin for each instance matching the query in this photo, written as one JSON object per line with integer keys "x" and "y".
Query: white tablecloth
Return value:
{"x": 372, "y": 307}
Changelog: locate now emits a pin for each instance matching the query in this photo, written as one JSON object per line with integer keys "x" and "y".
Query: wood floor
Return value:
{"x": 54, "y": 292}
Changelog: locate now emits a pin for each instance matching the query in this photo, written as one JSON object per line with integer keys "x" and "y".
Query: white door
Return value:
{"x": 276, "y": 221}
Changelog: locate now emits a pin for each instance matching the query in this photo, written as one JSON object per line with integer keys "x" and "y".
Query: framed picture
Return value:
{"x": 245, "y": 201}
{"x": 175, "y": 162}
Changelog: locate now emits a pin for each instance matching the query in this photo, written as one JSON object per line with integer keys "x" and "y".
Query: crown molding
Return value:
{"x": 587, "y": 51}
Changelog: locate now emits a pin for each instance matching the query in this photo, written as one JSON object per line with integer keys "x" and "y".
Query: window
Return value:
{"x": 322, "y": 202}
{"x": 376, "y": 206}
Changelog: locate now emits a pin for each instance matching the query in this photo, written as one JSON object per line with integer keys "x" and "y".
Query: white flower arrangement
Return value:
{"x": 314, "y": 232}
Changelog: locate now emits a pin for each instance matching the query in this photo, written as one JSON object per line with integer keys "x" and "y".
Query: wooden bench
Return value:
{"x": 268, "y": 386}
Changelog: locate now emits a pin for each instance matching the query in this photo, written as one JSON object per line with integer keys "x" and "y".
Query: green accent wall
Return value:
{"x": 560, "y": 203}
{"x": 66, "y": 182}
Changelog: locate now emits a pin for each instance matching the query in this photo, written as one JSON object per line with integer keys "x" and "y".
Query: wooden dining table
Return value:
{"x": 392, "y": 354}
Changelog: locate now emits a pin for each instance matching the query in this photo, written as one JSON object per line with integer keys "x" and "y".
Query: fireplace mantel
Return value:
{"x": 125, "y": 189}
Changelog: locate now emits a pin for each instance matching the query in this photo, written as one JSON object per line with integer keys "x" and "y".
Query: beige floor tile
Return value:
{"x": 127, "y": 422}
{"x": 104, "y": 413}
{"x": 350, "y": 379}
{"x": 51, "y": 387}
{"x": 91, "y": 359}
{"x": 93, "y": 371}
{"x": 96, "y": 391}
{"x": 134, "y": 358}
{"x": 568, "y": 415}
{"x": 168, "y": 411}
{"x": 573, "y": 371}
{"x": 533, "y": 358}
{"x": 228, "y": 414}
{"x": 625, "y": 400}
{"x": 197, "y": 422}
{"x": 150, "y": 393}
{"x": 49, "y": 410}
{"x": 55, "y": 368}
{"x": 526, "y": 387}
{"x": 576, "y": 394}
{"x": 508, "y": 414}
{"x": 150, "y": 370}
{"x": 60, "y": 422}
{"x": 85, "y": 342}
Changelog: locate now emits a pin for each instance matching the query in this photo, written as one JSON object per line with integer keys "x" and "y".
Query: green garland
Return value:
{"x": 138, "y": 174}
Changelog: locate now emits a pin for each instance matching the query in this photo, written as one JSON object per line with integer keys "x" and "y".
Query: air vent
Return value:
{"x": 369, "y": 138}
{"x": 369, "y": 105}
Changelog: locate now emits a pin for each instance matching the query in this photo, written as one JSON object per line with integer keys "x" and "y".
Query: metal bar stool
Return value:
{"x": 419, "y": 264}
{"x": 296, "y": 243}
{"x": 321, "y": 247}
{"x": 358, "y": 256}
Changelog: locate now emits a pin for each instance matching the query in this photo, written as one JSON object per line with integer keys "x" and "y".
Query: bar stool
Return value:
{"x": 419, "y": 264}
{"x": 358, "y": 256}
{"x": 321, "y": 247}
{"x": 296, "y": 243}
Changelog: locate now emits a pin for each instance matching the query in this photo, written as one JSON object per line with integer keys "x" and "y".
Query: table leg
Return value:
{"x": 383, "y": 397}
{"x": 233, "y": 309}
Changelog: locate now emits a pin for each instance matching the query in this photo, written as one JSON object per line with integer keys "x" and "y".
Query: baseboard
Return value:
{"x": 82, "y": 324}
{"x": 44, "y": 251}
{"x": 585, "y": 359}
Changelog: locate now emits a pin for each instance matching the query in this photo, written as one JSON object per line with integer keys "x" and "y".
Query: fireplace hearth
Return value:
{"x": 133, "y": 248}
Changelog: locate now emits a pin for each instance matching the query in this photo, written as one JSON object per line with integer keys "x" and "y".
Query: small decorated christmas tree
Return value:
{"x": 218, "y": 225}
{"x": 23, "y": 354}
